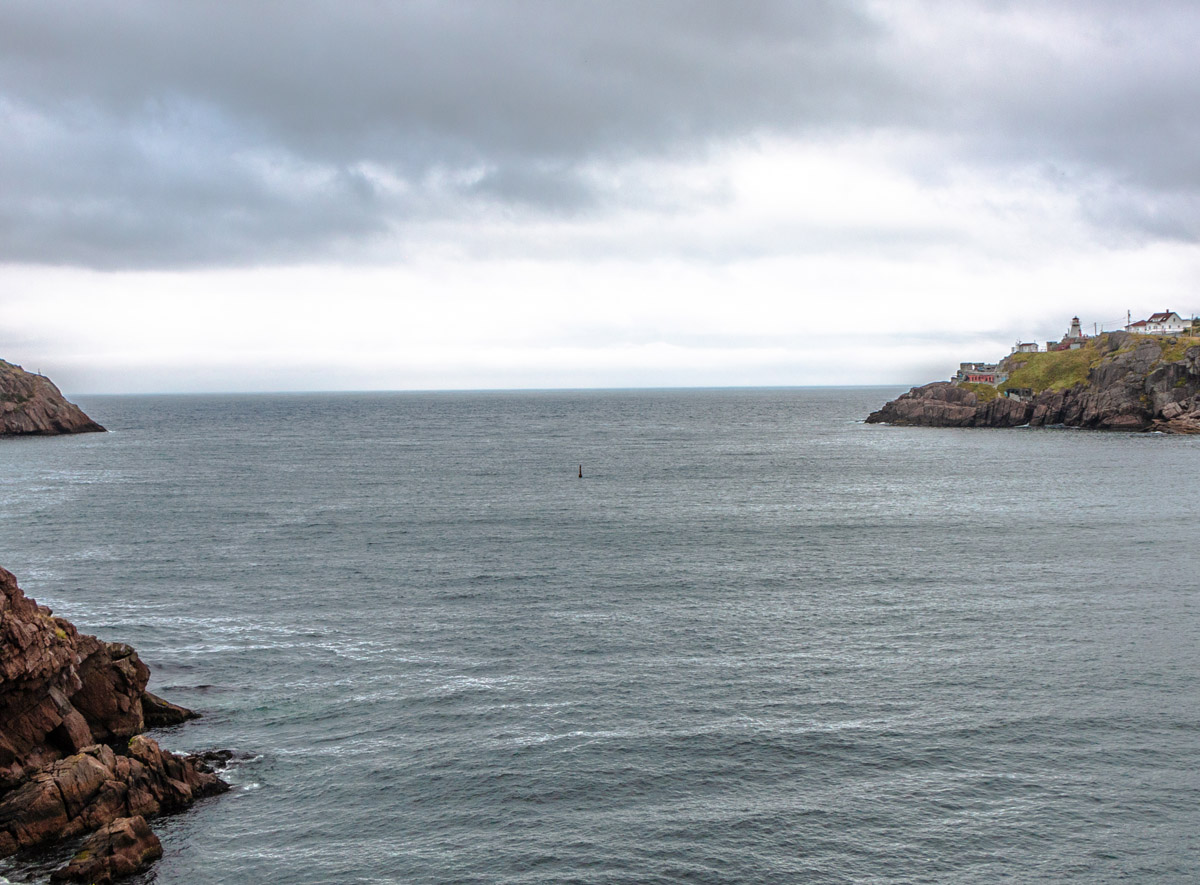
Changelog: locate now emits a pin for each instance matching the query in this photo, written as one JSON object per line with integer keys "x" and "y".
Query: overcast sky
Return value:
{"x": 396, "y": 195}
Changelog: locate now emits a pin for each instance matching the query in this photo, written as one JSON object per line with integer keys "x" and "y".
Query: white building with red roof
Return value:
{"x": 1166, "y": 323}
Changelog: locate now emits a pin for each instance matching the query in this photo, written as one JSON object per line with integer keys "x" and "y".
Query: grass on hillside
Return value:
{"x": 984, "y": 393}
{"x": 1174, "y": 348}
{"x": 1063, "y": 369}
{"x": 1057, "y": 370}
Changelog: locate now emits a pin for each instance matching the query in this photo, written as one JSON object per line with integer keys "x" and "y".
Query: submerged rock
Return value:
{"x": 72, "y": 711}
{"x": 31, "y": 404}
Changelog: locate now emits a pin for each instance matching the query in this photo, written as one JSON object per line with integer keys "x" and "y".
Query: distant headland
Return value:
{"x": 31, "y": 404}
{"x": 1145, "y": 377}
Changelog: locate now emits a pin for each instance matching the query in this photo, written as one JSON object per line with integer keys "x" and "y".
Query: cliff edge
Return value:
{"x": 73, "y": 759}
{"x": 32, "y": 404}
{"x": 1116, "y": 381}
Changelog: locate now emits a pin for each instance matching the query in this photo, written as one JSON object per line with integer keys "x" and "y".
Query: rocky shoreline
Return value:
{"x": 73, "y": 756}
{"x": 31, "y": 404}
{"x": 1133, "y": 383}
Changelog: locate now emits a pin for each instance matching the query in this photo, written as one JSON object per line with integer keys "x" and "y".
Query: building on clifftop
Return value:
{"x": 979, "y": 373}
{"x": 1073, "y": 340}
{"x": 1168, "y": 322}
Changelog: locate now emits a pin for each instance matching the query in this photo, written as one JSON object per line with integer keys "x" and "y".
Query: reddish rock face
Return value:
{"x": 72, "y": 756}
{"x": 32, "y": 404}
{"x": 942, "y": 404}
{"x": 114, "y": 680}
{"x": 120, "y": 848}
{"x": 60, "y": 691}
{"x": 89, "y": 789}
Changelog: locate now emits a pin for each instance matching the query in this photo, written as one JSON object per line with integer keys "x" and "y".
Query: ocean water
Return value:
{"x": 759, "y": 641}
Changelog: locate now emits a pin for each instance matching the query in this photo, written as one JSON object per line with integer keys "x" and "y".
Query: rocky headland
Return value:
{"x": 31, "y": 404}
{"x": 1116, "y": 381}
{"x": 73, "y": 756}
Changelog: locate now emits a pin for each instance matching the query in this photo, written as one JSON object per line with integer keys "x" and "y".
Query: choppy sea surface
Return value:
{"x": 759, "y": 641}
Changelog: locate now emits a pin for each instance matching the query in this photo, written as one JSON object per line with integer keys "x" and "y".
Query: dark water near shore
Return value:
{"x": 759, "y": 642}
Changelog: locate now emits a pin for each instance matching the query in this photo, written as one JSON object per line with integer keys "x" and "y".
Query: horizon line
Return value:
{"x": 424, "y": 390}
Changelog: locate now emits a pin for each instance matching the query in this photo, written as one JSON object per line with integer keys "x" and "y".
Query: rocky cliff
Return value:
{"x": 32, "y": 404}
{"x": 1118, "y": 381}
{"x": 73, "y": 758}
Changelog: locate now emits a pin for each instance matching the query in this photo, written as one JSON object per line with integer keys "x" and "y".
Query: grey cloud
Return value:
{"x": 417, "y": 83}
{"x": 148, "y": 134}
{"x": 554, "y": 188}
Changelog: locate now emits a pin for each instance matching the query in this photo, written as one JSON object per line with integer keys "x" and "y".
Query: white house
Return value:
{"x": 1166, "y": 323}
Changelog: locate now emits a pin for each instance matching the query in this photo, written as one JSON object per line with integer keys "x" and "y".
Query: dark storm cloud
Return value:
{"x": 159, "y": 134}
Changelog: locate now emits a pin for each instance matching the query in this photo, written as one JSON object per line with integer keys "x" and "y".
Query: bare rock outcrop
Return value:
{"x": 31, "y": 404}
{"x": 1131, "y": 386}
{"x": 120, "y": 848}
{"x": 73, "y": 758}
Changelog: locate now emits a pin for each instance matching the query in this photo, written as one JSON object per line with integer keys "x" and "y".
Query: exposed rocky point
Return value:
{"x": 31, "y": 404}
{"x": 1131, "y": 384}
{"x": 120, "y": 848}
{"x": 73, "y": 758}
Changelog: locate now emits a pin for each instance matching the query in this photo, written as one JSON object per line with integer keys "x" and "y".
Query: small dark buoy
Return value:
{"x": 581, "y": 471}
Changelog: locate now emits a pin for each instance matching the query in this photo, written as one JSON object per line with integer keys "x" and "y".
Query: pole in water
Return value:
{"x": 581, "y": 471}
